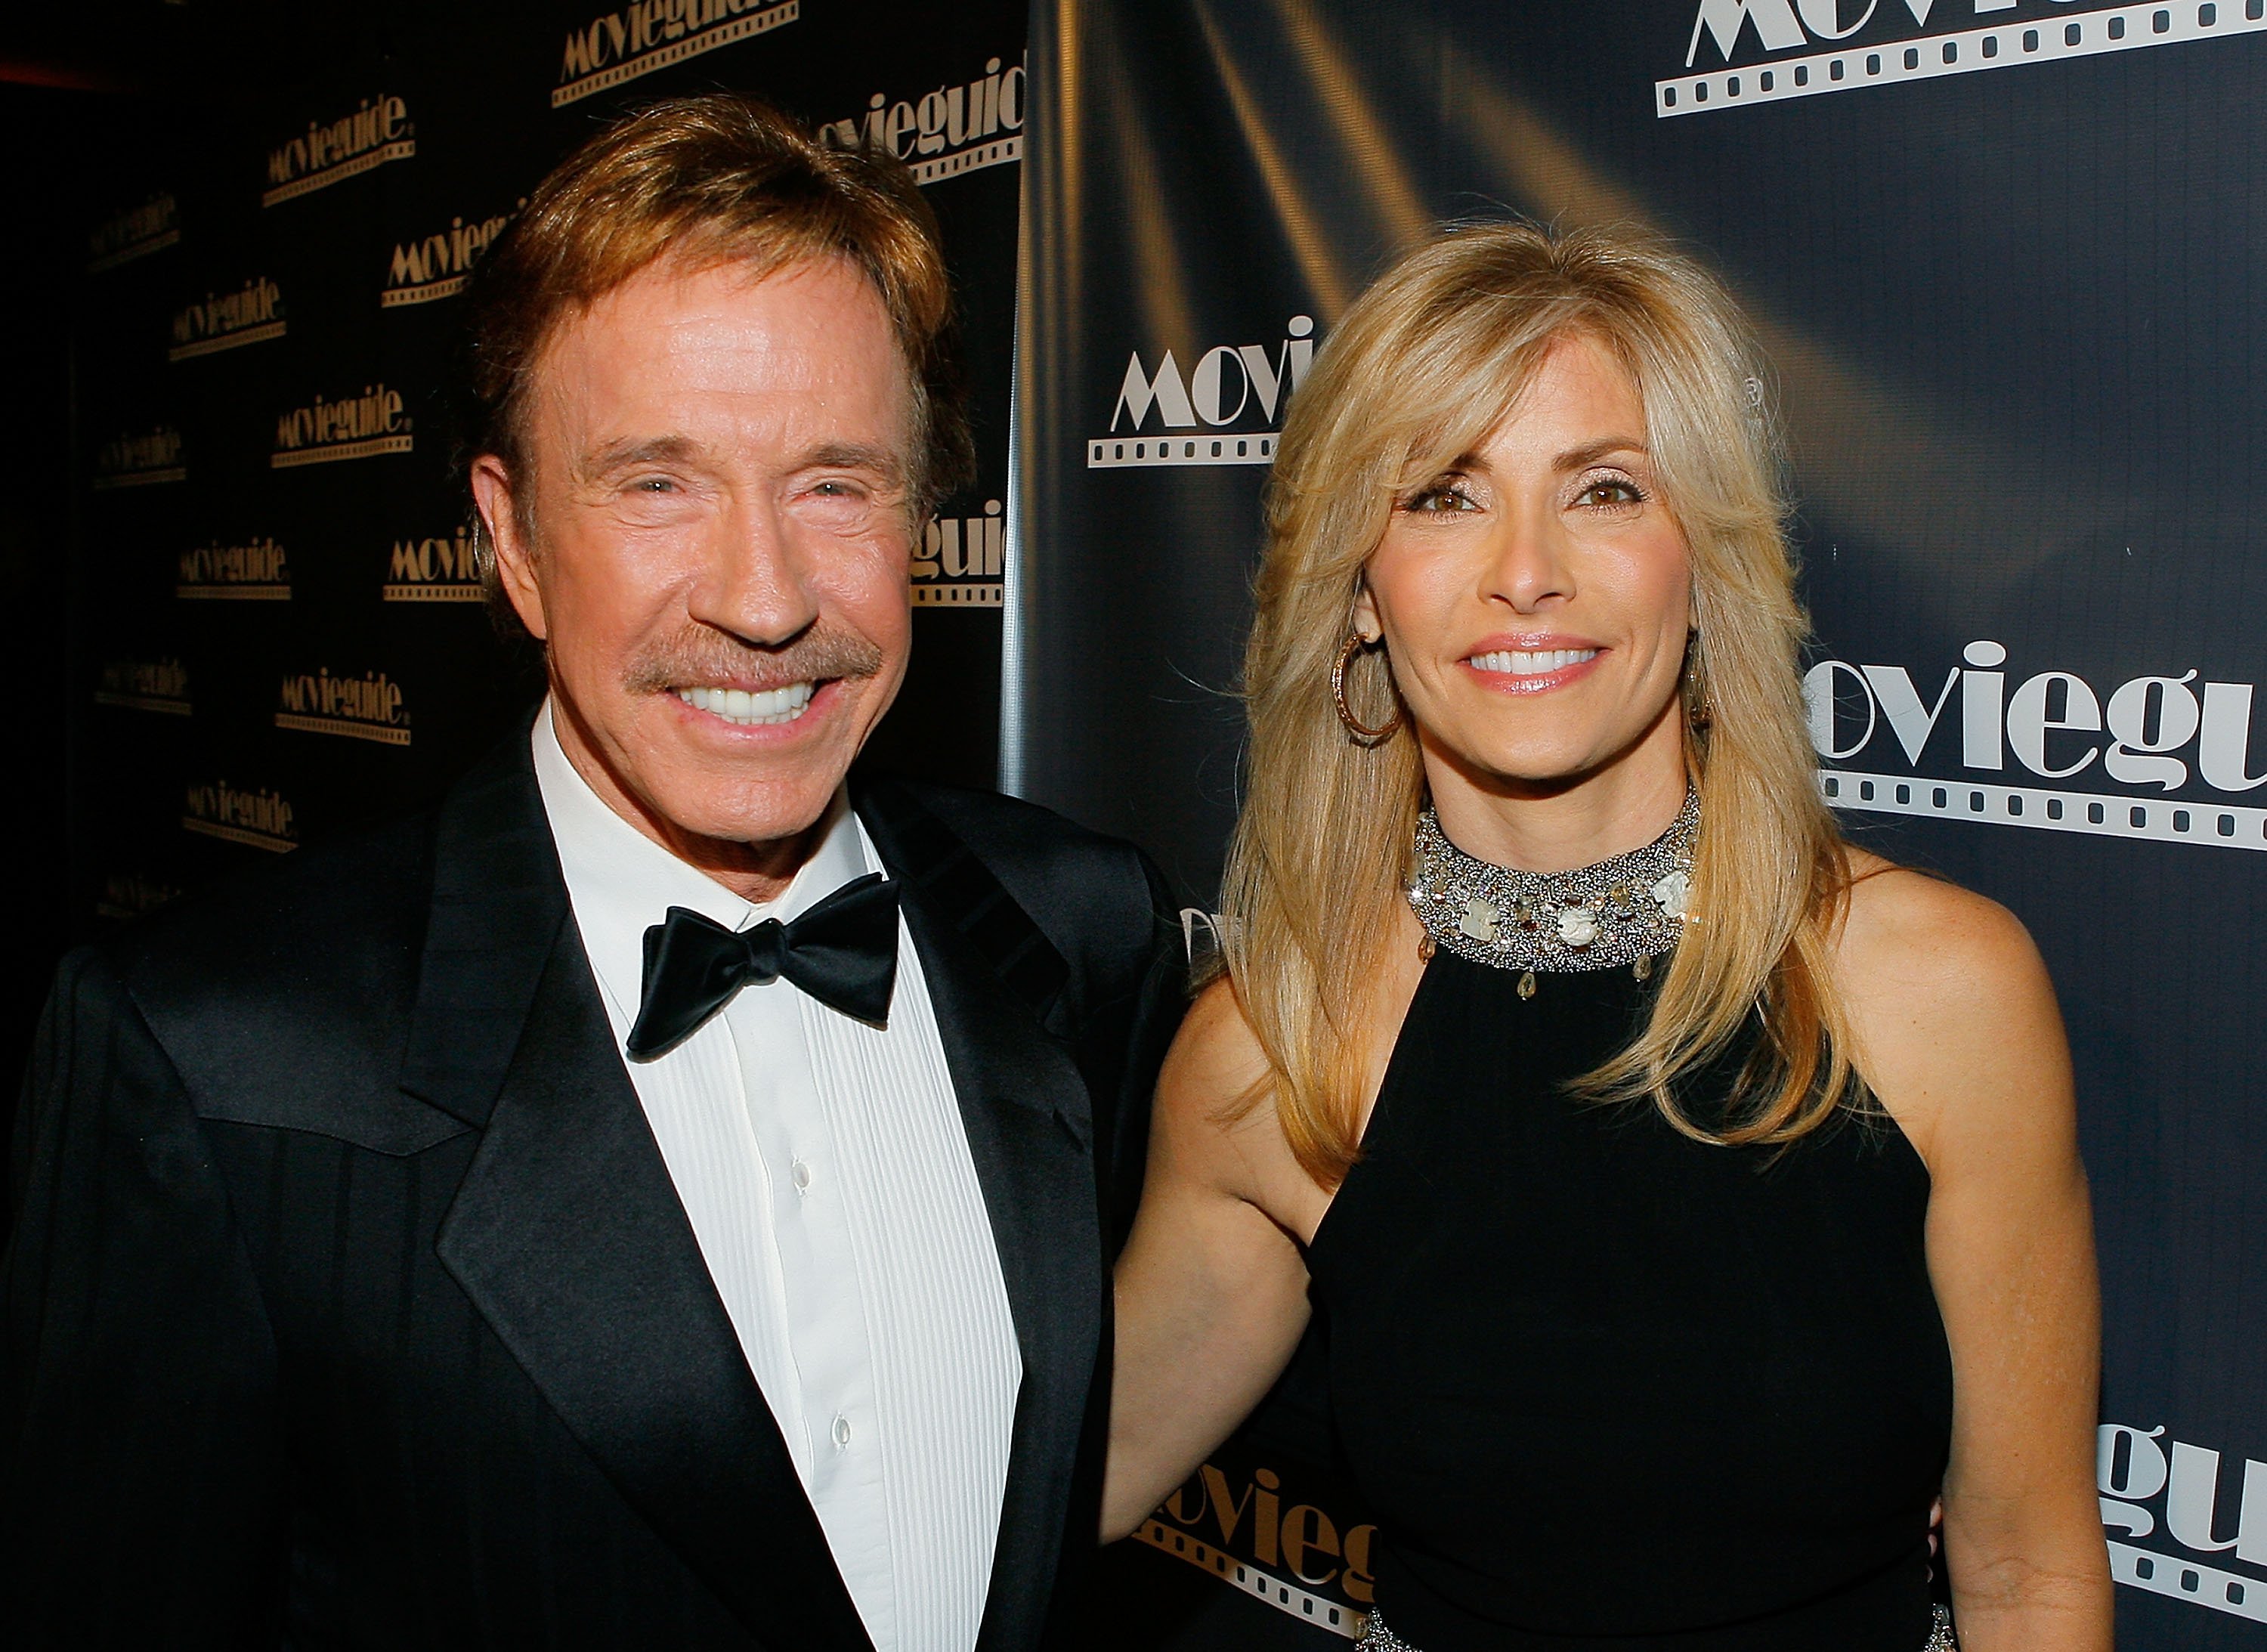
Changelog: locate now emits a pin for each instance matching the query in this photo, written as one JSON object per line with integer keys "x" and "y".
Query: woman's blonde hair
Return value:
{"x": 1417, "y": 372}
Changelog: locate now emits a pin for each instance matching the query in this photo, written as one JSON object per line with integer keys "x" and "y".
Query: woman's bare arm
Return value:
{"x": 1960, "y": 1036}
{"x": 1212, "y": 1292}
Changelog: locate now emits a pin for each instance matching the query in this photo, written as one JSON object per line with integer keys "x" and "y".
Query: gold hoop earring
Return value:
{"x": 1361, "y": 734}
{"x": 1698, "y": 712}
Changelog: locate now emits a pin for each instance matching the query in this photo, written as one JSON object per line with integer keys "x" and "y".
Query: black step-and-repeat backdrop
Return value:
{"x": 2010, "y": 257}
{"x": 282, "y": 631}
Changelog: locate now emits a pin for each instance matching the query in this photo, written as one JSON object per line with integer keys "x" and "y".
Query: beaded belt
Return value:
{"x": 1378, "y": 1638}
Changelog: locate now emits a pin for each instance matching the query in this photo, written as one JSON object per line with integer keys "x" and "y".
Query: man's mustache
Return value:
{"x": 708, "y": 658}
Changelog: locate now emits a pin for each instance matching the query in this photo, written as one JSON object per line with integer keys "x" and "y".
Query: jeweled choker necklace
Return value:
{"x": 1627, "y": 910}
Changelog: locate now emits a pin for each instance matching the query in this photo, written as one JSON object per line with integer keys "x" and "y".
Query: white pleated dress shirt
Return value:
{"x": 827, "y": 1177}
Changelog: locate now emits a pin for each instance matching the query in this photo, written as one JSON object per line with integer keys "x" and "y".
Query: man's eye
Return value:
{"x": 653, "y": 484}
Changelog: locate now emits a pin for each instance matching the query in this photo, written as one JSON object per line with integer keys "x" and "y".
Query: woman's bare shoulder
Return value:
{"x": 1216, "y": 1125}
{"x": 1214, "y": 1093}
{"x": 1217, "y": 1057}
{"x": 1906, "y": 932}
{"x": 1955, "y": 1019}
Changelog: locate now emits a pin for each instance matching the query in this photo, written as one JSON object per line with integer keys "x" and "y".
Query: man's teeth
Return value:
{"x": 1520, "y": 663}
{"x": 750, "y": 710}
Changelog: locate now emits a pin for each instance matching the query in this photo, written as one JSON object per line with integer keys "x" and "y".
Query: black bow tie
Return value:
{"x": 843, "y": 952}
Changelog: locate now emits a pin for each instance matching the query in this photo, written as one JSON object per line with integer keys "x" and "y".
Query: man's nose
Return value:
{"x": 753, "y": 583}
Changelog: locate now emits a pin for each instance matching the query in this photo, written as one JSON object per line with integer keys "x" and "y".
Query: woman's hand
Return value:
{"x": 1957, "y": 1030}
{"x": 1212, "y": 1290}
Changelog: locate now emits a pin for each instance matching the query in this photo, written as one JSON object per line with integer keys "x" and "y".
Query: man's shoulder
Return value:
{"x": 998, "y": 827}
{"x": 1029, "y": 848}
{"x": 296, "y": 978}
{"x": 282, "y": 923}
{"x": 1096, "y": 898}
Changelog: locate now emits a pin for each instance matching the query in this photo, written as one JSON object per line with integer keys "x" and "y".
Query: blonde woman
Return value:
{"x": 1692, "y": 1196}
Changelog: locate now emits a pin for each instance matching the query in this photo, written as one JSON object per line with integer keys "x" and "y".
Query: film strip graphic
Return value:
{"x": 157, "y": 242}
{"x": 244, "y": 836}
{"x": 1115, "y": 454}
{"x": 2208, "y": 825}
{"x": 998, "y": 152}
{"x": 221, "y": 341}
{"x": 1289, "y": 1598}
{"x": 663, "y": 56}
{"x": 2186, "y": 1580}
{"x": 400, "y": 149}
{"x": 1972, "y": 51}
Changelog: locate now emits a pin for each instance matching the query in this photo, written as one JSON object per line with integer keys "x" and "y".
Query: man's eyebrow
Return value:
{"x": 880, "y": 461}
{"x": 625, "y": 451}
{"x": 1591, "y": 452}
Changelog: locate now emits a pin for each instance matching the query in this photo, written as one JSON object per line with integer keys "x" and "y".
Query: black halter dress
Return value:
{"x": 1608, "y": 1388}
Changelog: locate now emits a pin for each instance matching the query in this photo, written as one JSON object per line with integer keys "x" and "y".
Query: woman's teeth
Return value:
{"x": 1519, "y": 663}
{"x": 750, "y": 710}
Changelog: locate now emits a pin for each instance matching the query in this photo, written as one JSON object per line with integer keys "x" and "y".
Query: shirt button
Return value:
{"x": 841, "y": 1431}
{"x": 800, "y": 1172}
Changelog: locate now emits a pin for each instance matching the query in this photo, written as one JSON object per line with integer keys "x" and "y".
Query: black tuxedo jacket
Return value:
{"x": 350, "y": 1302}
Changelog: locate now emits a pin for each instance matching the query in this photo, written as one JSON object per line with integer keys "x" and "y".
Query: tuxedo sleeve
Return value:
{"x": 1159, "y": 1003}
{"x": 140, "y": 1455}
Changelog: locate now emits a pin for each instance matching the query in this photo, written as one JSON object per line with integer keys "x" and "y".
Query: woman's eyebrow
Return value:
{"x": 1591, "y": 452}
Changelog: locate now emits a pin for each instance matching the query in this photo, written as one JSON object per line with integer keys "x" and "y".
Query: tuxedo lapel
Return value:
{"x": 569, "y": 1237}
{"x": 992, "y": 976}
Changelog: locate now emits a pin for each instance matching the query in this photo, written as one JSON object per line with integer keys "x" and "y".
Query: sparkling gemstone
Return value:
{"x": 1578, "y": 926}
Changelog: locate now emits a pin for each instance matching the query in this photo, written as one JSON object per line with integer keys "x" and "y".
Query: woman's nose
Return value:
{"x": 1528, "y": 566}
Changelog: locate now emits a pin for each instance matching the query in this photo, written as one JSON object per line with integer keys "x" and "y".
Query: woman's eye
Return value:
{"x": 1440, "y": 499}
{"x": 1611, "y": 491}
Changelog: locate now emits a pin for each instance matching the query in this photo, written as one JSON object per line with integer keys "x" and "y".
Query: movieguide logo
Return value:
{"x": 2149, "y": 736}
{"x": 441, "y": 570}
{"x": 970, "y": 553}
{"x": 258, "y": 819}
{"x": 137, "y": 232}
{"x": 140, "y": 460}
{"x": 2175, "y": 1495}
{"x": 438, "y": 265}
{"x": 353, "y": 426}
{"x": 364, "y": 708}
{"x": 158, "y": 685}
{"x": 949, "y": 131}
{"x": 130, "y": 894}
{"x": 250, "y": 315}
{"x": 649, "y": 34}
{"x": 378, "y": 132}
{"x": 1237, "y": 390}
{"x": 1767, "y": 51}
{"x": 1239, "y": 1522}
{"x": 258, "y": 571}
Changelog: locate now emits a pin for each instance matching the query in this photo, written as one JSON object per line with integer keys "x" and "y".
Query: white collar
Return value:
{"x": 622, "y": 882}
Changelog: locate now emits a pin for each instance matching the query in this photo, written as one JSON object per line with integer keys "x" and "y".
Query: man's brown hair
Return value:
{"x": 719, "y": 179}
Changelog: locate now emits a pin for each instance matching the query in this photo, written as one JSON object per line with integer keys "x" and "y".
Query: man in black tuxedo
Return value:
{"x": 665, "y": 1197}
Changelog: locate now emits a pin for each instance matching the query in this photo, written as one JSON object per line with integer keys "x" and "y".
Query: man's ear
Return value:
{"x": 514, "y": 557}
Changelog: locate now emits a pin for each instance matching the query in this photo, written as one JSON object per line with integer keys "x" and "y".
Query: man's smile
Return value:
{"x": 751, "y": 709}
